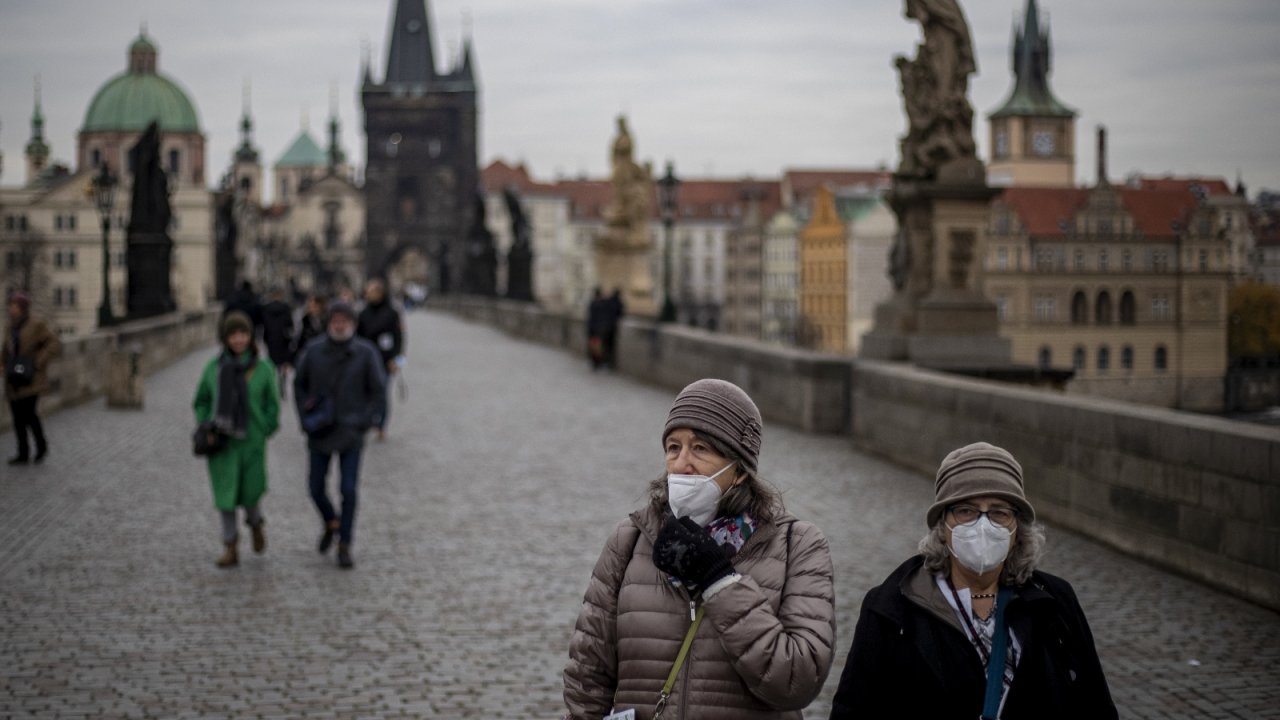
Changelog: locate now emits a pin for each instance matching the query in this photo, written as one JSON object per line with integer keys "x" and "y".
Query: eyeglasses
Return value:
{"x": 999, "y": 516}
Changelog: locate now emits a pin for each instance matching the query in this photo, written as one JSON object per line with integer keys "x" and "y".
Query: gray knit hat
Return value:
{"x": 235, "y": 320}
{"x": 342, "y": 307}
{"x": 978, "y": 470}
{"x": 723, "y": 412}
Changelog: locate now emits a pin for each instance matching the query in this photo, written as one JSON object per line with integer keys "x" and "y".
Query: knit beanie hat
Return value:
{"x": 236, "y": 320}
{"x": 723, "y": 412}
{"x": 978, "y": 470}
{"x": 342, "y": 307}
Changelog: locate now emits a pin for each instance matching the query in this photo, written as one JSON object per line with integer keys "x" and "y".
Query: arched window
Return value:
{"x": 1126, "y": 357}
{"x": 1102, "y": 311}
{"x": 1104, "y": 358}
{"x": 1046, "y": 357}
{"x": 96, "y": 157}
{"x": 1077, "y": 358}
{"x": 173, "y": 162}
{"x": 1128, "y": 312}
{"x": 1079, "y": 309}
{"x": 1162, "y": 358}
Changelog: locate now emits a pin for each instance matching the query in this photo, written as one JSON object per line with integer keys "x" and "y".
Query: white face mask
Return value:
{"x": 694, "y": 495}
{"x": 981, "y": 546}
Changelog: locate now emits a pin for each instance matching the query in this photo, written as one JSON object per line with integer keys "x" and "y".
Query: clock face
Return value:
{"x": 1043, "y": 143}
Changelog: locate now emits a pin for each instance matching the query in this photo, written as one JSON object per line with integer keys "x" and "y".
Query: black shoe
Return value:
{"x": 344, "y": 557}
{"x": 40, "y": 455}
{"x": 326, "y": 539}
{"x": 19, "y": 460}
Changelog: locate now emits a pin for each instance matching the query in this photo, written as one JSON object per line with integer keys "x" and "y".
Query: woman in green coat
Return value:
{"x": 238, "y": 392}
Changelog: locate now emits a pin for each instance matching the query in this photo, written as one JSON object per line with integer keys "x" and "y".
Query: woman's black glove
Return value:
{"x": 689, "y": 553}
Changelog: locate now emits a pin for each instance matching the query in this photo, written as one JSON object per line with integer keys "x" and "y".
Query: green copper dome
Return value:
{"x": 304, "y": 152}
{"x": 133, "y": 99}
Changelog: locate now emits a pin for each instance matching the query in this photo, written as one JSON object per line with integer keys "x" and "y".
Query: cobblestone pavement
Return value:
{"x": 481, "y": 516}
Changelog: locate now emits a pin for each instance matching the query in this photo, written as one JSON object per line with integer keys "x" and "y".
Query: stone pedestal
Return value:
{"x": 938, "y": 316}
{"x": 124, "y": 378}
{"x": 625, "y": 267}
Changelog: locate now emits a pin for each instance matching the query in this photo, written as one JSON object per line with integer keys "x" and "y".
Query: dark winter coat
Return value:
{"x": 310, "y": 328}
{"x": 277, "y": 331}
{"x": 352, "y": 374}
{"x": 247, "y": 302}
{"x": 911, "y": 658}
{"x": 37, "y": 341}
{"x": 380, "y": 325}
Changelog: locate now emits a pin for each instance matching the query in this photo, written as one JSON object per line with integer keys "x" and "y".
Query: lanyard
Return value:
{"x": 675, "y": 669}
{"x": 999, "y": 651}
{"x": 968, "y": 625}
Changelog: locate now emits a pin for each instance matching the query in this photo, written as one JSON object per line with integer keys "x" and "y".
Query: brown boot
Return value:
{"x": 259, "y": 534}
{"x": 230, "y": 556}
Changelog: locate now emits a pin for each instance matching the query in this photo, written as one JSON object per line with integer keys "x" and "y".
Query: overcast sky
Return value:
{"x": 722, "y": 87}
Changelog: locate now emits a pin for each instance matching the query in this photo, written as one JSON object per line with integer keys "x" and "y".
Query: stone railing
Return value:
{"x": 82, "y": 371}
{"x": 1197, "y": 494}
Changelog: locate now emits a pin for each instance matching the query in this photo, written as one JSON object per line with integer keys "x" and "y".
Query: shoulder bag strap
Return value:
{"x": 996, "y": 662}
{"x": 675, "y": 669}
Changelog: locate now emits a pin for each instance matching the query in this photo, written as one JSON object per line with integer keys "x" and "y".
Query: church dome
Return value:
{"x": 133, "y": 99}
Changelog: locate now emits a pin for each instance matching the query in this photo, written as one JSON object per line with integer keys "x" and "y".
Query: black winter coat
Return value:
{"x": 277, "y": 331}
{"x": 380, "y": 325}
{"x": 352, "y": 374}
{"x": 911, "y": 659}
{"x": 309, "y": 328}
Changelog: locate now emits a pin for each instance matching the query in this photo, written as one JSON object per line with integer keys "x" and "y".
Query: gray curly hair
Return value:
{"x": 1024, "y": 557}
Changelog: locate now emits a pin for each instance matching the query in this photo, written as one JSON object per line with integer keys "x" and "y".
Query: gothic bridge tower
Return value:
{"x": 422, "y": 173}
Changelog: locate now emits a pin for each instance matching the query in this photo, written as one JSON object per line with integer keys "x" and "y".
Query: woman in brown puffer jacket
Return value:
{"x": 713, "y": 547}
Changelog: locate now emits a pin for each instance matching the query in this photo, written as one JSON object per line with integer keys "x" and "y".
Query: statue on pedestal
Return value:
{"x": 622, "y": 252}
{"x": 149, "y": 249}
{"x": 520, "y": 256}
{"x": 935, "y": 88}
{"x": 480, "y": 274}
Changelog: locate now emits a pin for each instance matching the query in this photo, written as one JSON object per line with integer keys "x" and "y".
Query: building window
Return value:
{"x": 1102, "y": 261}
{"x": 1126, "y": 261}
{"x": 1102, "y": 311}
{"x": 57, "y": 297}
{"x": 1160, "y": 307}
{"x": 1002, "y": 259}
{"x": 1126, "y": 357}
{"x": 1077, "y": 358}
{"x": 57, "y": 258}
{"x": 1002, "y": 307}
{"x": 1162, "y": 358}
{"x": 1104, "y": 358}
{"x": 71, "y": 221}
{"x": 71, "y": 297}
{"x": 1046, "y": 357}
{"x": 95, "y": 157}
{"x": 1104, "y": 226}
{"x": 173, "y": 162}
{"x": 1044, "y": 309}
{"x": 1160, "y": 261}
{"x": 57, "y": 222}
{"x": 1044, "y": 259}
{"x": 1204, "y": 261}
{"x": 1128, "y": 312}
{"x": 1079, "y": 309}
{"x": 1079, "y": 261}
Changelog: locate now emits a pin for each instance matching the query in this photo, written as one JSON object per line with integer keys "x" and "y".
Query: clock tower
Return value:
{"x": 1032, "y": 134}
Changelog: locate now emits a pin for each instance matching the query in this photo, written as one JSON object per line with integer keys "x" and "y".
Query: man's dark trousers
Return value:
{"x": 349, "y": 474}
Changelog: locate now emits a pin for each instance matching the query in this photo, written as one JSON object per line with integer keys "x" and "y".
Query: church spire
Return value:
{"x": 1031, "y": 60}
{"x": 410, "y": 58}
{"x": 37, "y": 149}
{"x": 246, "y": 152}
{"x": 336, "y": 158}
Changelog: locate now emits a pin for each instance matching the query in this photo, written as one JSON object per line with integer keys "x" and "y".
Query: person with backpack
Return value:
{"x": 237, "y": 395}
{"x": 25, "y": 353}
{"x": 712, "y": 601}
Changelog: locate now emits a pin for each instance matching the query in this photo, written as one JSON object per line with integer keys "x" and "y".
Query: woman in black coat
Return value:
{"x": 924, "y": 636}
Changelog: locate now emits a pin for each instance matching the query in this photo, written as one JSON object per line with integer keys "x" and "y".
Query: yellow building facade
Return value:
{"x": 824, "y": 272}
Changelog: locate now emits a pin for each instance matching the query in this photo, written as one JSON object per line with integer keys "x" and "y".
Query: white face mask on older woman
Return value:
{"x": 694, "y": 495}
{"x": 981, "y": 545}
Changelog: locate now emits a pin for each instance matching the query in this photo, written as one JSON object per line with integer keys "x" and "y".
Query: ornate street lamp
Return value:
{"x": 668, "y": 192}
{"x": 104, "y": 195}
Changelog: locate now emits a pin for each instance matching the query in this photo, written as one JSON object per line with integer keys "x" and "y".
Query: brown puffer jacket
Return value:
{"x": 763, "y": 650}
{"x": 37, "y": 341}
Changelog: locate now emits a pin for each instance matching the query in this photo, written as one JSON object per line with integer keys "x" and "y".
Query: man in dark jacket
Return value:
{"x": 246, "y": 301}
{"x": 311, "y": 326}
{"x": 277, "y": 334}
{"x": 340, "y": 391}
{"x": 380, "y": 324}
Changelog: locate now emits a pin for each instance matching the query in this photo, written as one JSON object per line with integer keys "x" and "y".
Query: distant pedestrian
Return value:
{"x": 712, "y": 566}
{"x": 246, "y": 301}
{"x": 614, "y": 310}
{"x": 969, "y": 627}
{"x": 237, "y": 391}
{"x": 597, "y": 326}
{"x": 380, "y": 324}
{"x": 310, "y": 326}
{"x": 340, "y": 390}
{"x": 277, "y": 334}
{"x": 28, "y": 348}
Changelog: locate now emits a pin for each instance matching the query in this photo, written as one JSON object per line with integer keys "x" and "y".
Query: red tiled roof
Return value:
{"x": 805, "y": 182}
{"x": 1214, "y": 186}
{"x": 587, "y": 198}
{"x": 1050, "y": 212}
{"x": 499, "y": 175}
{"x": 724, "y": 200}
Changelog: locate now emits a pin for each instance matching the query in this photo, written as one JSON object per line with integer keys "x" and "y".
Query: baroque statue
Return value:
{"x": 935, "y": 87}
{"x": 628, "y": 214}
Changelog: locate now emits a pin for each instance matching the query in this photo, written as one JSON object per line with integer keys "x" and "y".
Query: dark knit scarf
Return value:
{"x": 232, "y": 413}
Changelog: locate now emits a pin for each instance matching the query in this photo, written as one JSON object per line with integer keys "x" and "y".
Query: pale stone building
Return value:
{"x": 780, "y": 267}
{"x": 872, "y": 229}
{"x": 51, "y": 233}
{"x": 743, "y": 313}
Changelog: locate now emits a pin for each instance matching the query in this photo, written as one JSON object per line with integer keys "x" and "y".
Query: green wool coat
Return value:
{"x": 239, "y": 472}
